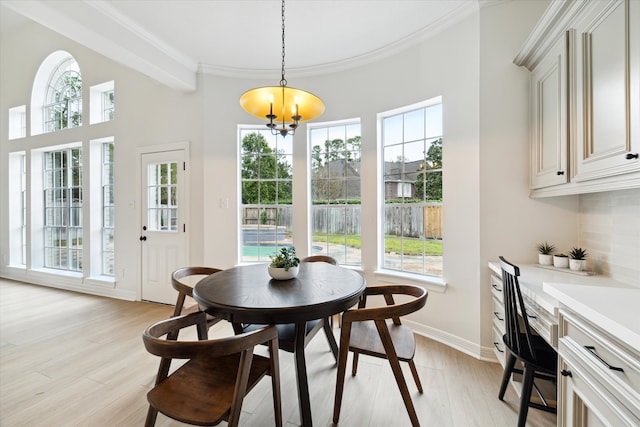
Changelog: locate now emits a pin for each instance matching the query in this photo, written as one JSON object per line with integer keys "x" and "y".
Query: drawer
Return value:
{"x": 612, "y": 363}
{"x": 498, "y": 346}
{"x": 498, "y": 315}
{"x": 542, "y": 321}
{"x": 585, "y": 401}
{"x": 496, "y": 288}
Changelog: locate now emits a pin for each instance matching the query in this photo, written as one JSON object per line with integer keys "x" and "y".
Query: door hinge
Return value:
{"x": 184, "y": 228}
{"x": 184, "y": 166}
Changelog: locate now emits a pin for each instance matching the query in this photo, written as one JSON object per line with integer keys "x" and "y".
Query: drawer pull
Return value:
{"x": 498, "y": 347}
{"x": 566, "y": 373}
{"x": 495, "y": 313}
{"x": 531, "y": 316}
{"x": 591, "y": 349}
{"x": 493, "y": 285}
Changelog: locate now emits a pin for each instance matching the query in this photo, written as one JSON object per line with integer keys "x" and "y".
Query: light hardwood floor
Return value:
{"x": 69, "y": 359}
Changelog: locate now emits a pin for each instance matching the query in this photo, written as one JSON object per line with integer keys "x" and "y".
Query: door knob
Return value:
{"x": 143, "y": 238}
{"x": 632, "y": 156}
{"x": 560, "y": 173}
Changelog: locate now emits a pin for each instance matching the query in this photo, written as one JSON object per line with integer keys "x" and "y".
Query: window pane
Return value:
{"x": 412, "y": 183}
{"x": 335, "y": 192}
{"x": 266, "y": 193}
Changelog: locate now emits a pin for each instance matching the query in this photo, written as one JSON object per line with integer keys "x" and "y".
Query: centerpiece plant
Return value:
{"x": 284, "y": 264}
{"x": 286, "y": 258}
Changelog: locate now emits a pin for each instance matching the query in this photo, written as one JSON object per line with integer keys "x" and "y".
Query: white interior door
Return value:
{"x": 163, "y": 236}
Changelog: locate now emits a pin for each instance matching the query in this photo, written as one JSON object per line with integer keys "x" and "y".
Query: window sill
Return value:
{"x": 432, "y": 283}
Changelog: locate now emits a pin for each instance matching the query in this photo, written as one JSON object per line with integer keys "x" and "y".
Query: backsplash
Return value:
{"x": 609, "y": 228}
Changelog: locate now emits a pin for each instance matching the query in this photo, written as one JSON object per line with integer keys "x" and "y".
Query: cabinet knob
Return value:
{"x": 560, "y": 173}
{"x": 566, "y": 373}
{"x": 630, "y": 156}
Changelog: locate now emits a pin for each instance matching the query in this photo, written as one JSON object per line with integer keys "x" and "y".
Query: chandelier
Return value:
{"x": 284, "y": 107}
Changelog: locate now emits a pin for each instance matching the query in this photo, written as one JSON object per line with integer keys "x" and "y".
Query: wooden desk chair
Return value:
{"x": 286, "y": 332}
{"x": 212, "y": 384}
{"x": 536, "y": 355}
{"x": 186, "y": 290}
{"x": 366, "y": 331}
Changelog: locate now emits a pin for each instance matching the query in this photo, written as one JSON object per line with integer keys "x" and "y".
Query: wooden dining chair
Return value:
{"x": 186, "y": 290}
{"x": 286, "y": 332}
{"x": 538, "y": 358}
{"x": 378, "y": 332}
{"x": 211, "y": 385}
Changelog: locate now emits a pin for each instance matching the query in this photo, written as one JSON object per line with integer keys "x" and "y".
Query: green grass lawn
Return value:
{"x": 410, "y": 246}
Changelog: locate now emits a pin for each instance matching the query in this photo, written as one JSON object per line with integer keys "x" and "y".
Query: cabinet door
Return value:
{"x": 607, "y": 78}
{"x": 549, "y": 118}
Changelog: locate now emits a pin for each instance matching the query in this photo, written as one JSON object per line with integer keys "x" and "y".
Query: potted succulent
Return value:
{"x": 577, "y": 259}
{"x": 560, "y": 261}
{"x": 284, "y": 264}
{"x": 545, "y": 253}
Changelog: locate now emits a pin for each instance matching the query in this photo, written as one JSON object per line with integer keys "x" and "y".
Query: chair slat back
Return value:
{"x": 394, "y": 311}
{"x": 170, "y": 348}
{"x": 320, "y": 258}
{"x": 181, "y": 273}
{"x": 518, "y": 331}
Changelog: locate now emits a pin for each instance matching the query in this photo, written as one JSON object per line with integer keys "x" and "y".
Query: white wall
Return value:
{"x": 487, "y": 212}
{"x": 147, "y": 114}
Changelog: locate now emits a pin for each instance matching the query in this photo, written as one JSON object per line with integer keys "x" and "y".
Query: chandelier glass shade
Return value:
{"x": 284, "y": 107}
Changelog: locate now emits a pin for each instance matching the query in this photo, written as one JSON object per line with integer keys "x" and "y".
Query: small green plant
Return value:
{"x": 545, "y": 248}
{"x": 578, "y": 253}
{"x": 286, "y": 258}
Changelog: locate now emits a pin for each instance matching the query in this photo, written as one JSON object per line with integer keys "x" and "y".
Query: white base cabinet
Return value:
{"x": 599, "y": 376}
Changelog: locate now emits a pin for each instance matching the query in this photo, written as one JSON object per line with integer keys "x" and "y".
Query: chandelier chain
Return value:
{"x": 283, "y": 81}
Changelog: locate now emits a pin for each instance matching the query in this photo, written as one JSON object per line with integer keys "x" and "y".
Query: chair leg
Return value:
{"x": 416, "y": 378}
{"x": 152, "y": 414}
{"x": 328, "y": 331}
{"x": 527, "y": 386}
{"x": 275, "y": 381}
{"x": 389, "y": 349}
{"x": 354, "y": 364}
{"x": 345, "y": 335}
{"x": 506, "y": 376}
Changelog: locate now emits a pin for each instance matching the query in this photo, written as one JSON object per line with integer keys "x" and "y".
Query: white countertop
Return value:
{"x": 614, "y": 309}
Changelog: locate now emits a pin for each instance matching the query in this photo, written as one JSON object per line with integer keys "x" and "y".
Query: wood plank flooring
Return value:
{"x": 69, "y": 359}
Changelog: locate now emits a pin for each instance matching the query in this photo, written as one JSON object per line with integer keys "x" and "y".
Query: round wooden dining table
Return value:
{"x": 247, "y": 294}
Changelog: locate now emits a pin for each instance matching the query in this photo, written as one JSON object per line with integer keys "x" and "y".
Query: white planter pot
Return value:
{"x": 544, "y": 259}
{"x": 577, "y": 264}
{"x": 561, "y": 261}
{"x": 282, "y": 274}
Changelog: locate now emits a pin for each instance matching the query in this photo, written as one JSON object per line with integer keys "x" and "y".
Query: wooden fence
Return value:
{"x": 419, "y": 220}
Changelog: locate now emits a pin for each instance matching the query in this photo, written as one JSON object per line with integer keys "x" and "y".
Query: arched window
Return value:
{"x": 56, "y": 100}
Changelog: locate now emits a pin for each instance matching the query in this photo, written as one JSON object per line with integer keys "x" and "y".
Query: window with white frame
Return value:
{"x": 18, "y": 122}
{"x": 108, "y": 210}
{"x": 411, "y": 155}
{"x": 63, "y": 99}
{"x": 63, "y": 209}
{"x": 266, "y": 176}
{"x": 335, "y": 191}
{"x": 102, "y": 102}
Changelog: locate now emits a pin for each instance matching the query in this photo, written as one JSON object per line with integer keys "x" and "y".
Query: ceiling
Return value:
{"x": 172, "y": 40}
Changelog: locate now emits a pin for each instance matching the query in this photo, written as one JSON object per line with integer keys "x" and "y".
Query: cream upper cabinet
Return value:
{"x": 584, "y": 59}
{"x": 607, "y": 92}
{"x": 548, "y": 116}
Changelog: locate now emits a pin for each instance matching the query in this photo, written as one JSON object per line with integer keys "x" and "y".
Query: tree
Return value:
{"x": 429, "y": 180}
{"x": 266, "y": 174}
